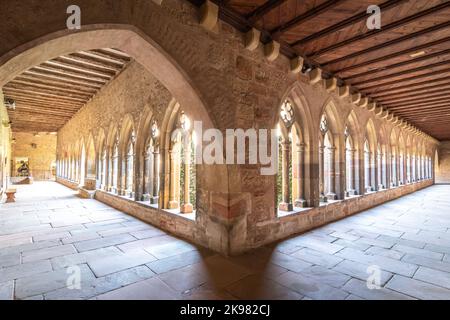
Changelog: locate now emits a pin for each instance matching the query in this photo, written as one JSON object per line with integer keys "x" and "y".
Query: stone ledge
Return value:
{"x": 302, "y": 221}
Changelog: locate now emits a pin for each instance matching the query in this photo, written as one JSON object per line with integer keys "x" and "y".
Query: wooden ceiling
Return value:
{"x": 48, "y": 95}
{"x": 404, "y": 66}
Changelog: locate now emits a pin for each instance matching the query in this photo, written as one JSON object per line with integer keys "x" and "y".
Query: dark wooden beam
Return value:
{"x": 411, "y": 89}
{"x": 386, "y": 28}
{"x": 314, "y": 12}
{"x": 345, "y": 23}
{"x": 261, "y": 11}
{"x": 391, "y": 56}
{"x": 438, "y": 72}
{"x": 401, "y": 73}
{"x": 398, "y": 65}
{"x": 392, "y": 42}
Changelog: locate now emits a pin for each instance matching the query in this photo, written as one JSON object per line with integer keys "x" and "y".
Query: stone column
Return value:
{"x": 322, "y": 196}
{"x": 173, "y": 202}
{"x": 155, "y": 181}
{"x": 300, "y": 201}
{"x": 186, "y": 207}
{"x": 332, "y": 193}
{"x": 285, "y": 205}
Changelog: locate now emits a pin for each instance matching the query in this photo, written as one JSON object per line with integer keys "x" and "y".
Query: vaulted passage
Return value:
{"x": 190, "y": 149}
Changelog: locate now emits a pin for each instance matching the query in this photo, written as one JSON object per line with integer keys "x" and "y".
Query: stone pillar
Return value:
{"x": 186, "y": 207}
{"x": 155, "y": 181}
{"x": 332, "y": 193}
{"x": 300, "y": 200}
{"x": 173, "y": 202}
{"x": 322, "y": 196}
{"x": 285, "y": 205}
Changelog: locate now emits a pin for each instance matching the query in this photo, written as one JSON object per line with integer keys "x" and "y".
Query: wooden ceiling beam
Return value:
{"x": 74, "y": 72}
{"x": 53, "y": 86}
{"x": 99, "y": 56}
{"x": 380, "y": 85}
{"x": 345, "y": 23}
{"x": 264, "y": 9}
{"x": 314, "y": 12}
{"x": 388, "y": 99}
{"x": 62, "y": 80}
{"x": 423, "y": 106}
{"x": 385, "y": 28}
{"x": 387, "y": 44}
{"x": 429, "y": 95}
{"x": 418, "y": 103}
{"x": 410, "y": 89}
{"x": 401, "y": 73}
{"x": 393, "y": 55}
{"x": 397, "y": 65}
{"x": 79, "y": 70}
{"x": 40, "y": 88}
{"x": 82, "y": 62}
{"x": 70, "y": 75}
{"x": 35, "y": 92}
{"x": 26, "y": 98}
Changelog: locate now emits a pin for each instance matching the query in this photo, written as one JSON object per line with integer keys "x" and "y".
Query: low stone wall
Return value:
{"x": 264, "y": 233}
{"x": 283, "y": 227}
{"x": 69, "y": 184}
{"x": 164, "y": 220}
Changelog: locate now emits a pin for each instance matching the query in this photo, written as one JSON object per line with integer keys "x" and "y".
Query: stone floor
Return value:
{"x": 50, "y": 239}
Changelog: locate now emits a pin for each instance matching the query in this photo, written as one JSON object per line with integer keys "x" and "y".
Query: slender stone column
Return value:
{"x": 173, "y": 202}
{"x": 332, "y": 193}
{"x": 322, "y": 196}
{"x": 155, "y": 181}
{"x": 186, "y": 207}
{"x": 285, "y": 205}
{"x": 300, "y": 201}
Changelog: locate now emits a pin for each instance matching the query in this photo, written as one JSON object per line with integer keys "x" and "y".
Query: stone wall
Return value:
{"x": 443, "y": 169}
{"x": 40, "y": 149}
{"x": 5, "y": 147}
{"x": 216, "y": 80}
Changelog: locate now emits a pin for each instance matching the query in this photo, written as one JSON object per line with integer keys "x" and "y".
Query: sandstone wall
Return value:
{"x": 5, "y": 147}
{"x": 40, "y": 150}
{"x": 443, "y": 169}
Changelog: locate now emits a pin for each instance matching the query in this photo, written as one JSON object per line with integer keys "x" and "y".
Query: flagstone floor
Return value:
{"x": 54, "y": 245}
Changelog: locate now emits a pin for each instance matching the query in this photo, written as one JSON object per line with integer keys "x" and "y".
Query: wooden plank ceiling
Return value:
{"x": 48, "y": 95}
{"x": 404, "y": 66}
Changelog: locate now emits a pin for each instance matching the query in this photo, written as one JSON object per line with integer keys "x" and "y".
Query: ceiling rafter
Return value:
{"x": 50, "y": 94}
{"x": 386, "y": 28}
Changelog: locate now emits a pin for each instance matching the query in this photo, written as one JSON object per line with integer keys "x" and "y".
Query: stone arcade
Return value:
{"x": 104, "y": 117}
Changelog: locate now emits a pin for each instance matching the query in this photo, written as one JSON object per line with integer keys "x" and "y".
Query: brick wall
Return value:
{"x": 39, "y": 149}
{"x": 443, "y": 170}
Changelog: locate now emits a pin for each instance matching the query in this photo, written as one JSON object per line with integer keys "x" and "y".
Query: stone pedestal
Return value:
{"x": 146, "y": 197}
{"x": 283, "y": 206}
{"x": 323, "y": 198}
{"x": 90, "y": 184}
{"x": 154, "y": 200}
{"x": 186, "y": 208}
{"x": 300, "y": 203}
{"x": 173, "y": 204}
{"x": 331, "y": 196}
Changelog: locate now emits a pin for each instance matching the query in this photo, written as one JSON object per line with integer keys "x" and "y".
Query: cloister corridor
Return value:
{"x": 49, "y": 230}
